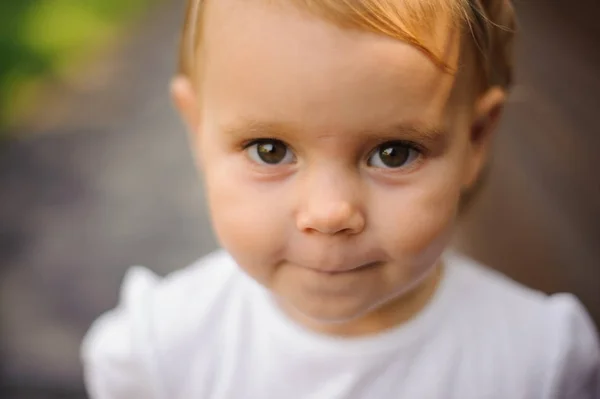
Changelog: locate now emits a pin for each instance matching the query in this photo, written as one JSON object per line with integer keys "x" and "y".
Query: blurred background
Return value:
{"x": 95, "y": 175}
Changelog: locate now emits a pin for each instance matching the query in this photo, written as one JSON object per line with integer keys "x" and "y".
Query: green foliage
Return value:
{"x": 41, "y": 38}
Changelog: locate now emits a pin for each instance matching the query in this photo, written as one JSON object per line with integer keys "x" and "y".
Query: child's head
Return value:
{"x": 336, "y": 137}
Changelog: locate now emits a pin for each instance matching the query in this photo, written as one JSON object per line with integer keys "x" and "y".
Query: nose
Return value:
{"x": 331, "y": 209}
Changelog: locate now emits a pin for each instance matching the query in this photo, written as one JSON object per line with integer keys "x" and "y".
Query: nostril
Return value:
{"x": 331, "y": 219}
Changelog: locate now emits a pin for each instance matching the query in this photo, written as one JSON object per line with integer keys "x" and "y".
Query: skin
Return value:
{"x": 347, "y": 245}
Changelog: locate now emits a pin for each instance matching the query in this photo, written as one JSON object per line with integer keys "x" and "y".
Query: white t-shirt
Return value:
{"x": 211, "y": 332}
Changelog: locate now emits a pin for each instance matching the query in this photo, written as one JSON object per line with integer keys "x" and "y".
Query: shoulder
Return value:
{"x": 573, "y": 350}
{"x": 182, "y": 300}
{"x": 123, "y": 349}
{"x": 551, "y": 334}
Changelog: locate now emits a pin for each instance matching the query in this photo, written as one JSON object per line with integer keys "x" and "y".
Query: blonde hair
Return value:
{"x": 489, "y": 25}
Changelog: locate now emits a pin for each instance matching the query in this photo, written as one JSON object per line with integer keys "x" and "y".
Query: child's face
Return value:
{"x": 333, "y": 160}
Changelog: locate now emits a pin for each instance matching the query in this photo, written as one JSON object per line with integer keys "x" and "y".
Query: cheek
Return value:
{"x": 419, "y": 222}
{"x": 247, "y": 216}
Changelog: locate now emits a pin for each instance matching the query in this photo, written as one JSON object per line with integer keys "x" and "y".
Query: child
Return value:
{"x": 336, "y": 139}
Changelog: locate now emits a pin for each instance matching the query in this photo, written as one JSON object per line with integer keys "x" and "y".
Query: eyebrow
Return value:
{"x": 252, "y": 127}
{"x": 431, "y": 136}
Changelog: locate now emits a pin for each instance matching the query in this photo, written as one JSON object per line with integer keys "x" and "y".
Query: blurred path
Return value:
{"x": 102, "y": 182}
{"x": 105, "y": 180}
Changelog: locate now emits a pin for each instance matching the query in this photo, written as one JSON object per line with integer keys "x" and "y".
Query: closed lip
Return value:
{"x": 345, "y": 270}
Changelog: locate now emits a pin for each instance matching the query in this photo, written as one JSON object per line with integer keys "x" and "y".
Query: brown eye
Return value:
{"x": 393, "y": 155}
{"x": 271, "y": 152}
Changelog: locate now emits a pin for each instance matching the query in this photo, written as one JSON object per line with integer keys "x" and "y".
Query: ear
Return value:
{"x": 186, "y": 102}
{"x": 487, "y": 112}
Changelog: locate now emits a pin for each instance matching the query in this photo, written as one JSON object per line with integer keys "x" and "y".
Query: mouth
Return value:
{"x": 348, "y": 270}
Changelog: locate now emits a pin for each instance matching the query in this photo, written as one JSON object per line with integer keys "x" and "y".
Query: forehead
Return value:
{"x": 272, "y": 60}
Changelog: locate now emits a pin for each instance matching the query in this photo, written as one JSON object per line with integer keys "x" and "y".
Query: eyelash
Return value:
{"x": 409, "y": 144}
{"x": 419, "y": 149}
{"x": 249, "y": 143}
